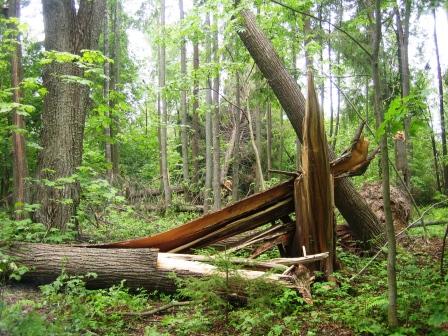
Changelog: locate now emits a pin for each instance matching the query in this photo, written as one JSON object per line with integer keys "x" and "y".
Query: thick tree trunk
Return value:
{"x": 163, "y": 114}
{"x": 19, "y": 162}
{"x": 183, "y": 105}
{"x": 140, "y": 268}
{"x": 441, "y": 108}
{"x": 358, "y": 215}
{"x": 65, "y": 107}
{"x": 215, "y": 125}
{"x": 379, "y": 113}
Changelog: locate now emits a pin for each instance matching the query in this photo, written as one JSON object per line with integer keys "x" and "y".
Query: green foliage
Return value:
{"x": 400, "y": 109}
{"x": 90, "y": 311}
{"x": 22, "y": 319}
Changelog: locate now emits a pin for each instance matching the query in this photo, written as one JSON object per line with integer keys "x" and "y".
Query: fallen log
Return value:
{"x": 429, "y": 223}
{"x": 140, "y": 268}
{"x": 143, "y": 193}
{"x": 176, "y": 207}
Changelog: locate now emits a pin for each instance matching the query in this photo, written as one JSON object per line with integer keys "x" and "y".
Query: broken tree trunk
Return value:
{"x": 140, "y": 268}
{"x": 358, "y": 215}
{"x": 314, "y": 188}
{"x": 245, "y": 215}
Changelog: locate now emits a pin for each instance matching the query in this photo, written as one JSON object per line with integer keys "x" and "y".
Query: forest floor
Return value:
{"x": 353, "y": 307}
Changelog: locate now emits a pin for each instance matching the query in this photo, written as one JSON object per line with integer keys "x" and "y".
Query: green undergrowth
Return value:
{"x": 357, "y": 307}
{"x": 352, "y": 307}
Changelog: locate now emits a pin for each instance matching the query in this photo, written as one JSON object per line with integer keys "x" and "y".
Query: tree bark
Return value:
{"x": 163, "y": 113}
{"x": 19, "y": 162}
{"x": 338, "y": 111}
{"x": 236, "y": 152}
{"x": 183, "y": 104}
{"x": 208, "y": 124}
{"x": 259, "y": 170}
{"x": 65, "y": 107}
{"x": 441, "y": 108}
{"x": 106, "y": 89}
{"x": 379, "y": 113}
{"x": 260, "y": 177}
{"x": 114, "y": 120}
{"x": 269, "y": 139}
{"x": 195, "y": 107}
{"x": 403, "y": 54}
{"x": 330, "y": 70}
{"x": 140, "y": 268}
{"x": 229, "y": 151}
{"x": 215, "y": 124}
{"x": 295, "y": 76}
{"x": 435, "y": 154}
{"x": 358, "y": 215}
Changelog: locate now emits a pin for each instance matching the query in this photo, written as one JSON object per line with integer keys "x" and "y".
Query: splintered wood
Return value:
{"x": 313, "y": 195}
{"x": 309, "y": 238}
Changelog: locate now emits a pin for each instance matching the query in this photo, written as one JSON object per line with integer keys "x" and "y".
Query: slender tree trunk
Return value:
{"x": 403, "y": 54}
{"x": 359, "y": 216}
{"x": 257, "y": 132}
{"x": 367, "y": 101}
{"x": 229, "y": 151}
{"x": 163, "y": 113}
{"x": 259, "y": 171}
{"x": 321, "y": 57}
{"x": 114, "y": 86}
{"x": 106, "y": 89}
{"x": 269, "y": 139}
{"x": 208, "y": 124}
{"x": 215, "y": 125}
{"x": 183, "y": 105}
{"x": 67, "y": 29}
{"x": 195, "y": 107}
{"x": 338, "y": 61}
{"x": 434, "y": 152}
{"x": 330, "y": 79}
{"x": 441, "y": 108}
{"x": 236, "y": 153}
{"x": 19, "y": 165}
{"x": 379, "y": 113}
{"x": 282, "y": 141}
{"x": 295, "y": 75}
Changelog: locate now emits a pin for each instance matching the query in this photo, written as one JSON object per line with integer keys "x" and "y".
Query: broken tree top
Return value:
{"x": 309, "y": 239}
{"x": 274, "y": 204}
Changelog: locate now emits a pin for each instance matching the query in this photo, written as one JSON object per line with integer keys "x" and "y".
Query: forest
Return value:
{"x": 223, "y": 167}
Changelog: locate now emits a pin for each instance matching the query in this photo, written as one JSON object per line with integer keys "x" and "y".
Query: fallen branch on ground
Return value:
{"x": 156, "y": 310}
